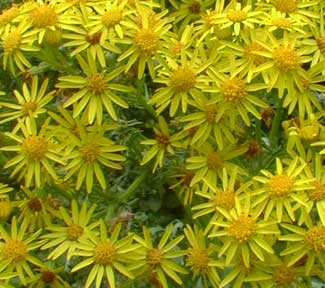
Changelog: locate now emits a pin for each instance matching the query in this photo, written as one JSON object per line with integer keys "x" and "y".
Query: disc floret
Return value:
{"x": 242, "y": 228}
{"x": 280, "y": 186}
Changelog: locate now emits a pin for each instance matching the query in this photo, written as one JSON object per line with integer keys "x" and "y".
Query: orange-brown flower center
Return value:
{"x": 15, "y": 250}
{"x": 104, "y": 253}
{"x": 242, "y": 228}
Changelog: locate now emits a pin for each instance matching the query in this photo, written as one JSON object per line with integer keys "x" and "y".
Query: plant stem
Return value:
{"x": 134, "y": 185}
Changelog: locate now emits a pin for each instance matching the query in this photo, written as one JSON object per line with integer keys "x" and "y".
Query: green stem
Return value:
{"x": 143, "y": 97}
{"x": 128, "y": 193}
{"x": 274, "y": 134}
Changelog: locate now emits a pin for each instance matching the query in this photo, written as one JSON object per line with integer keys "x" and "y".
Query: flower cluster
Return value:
{"x": 209, "y": 114}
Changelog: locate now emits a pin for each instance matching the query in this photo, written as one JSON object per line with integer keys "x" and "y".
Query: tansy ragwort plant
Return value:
{"x": 162, "y": 143}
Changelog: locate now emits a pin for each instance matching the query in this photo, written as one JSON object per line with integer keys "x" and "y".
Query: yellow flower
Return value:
{"x": 201, "y": 257}
{"x": 187, "y": 11}
{"x": 316, "y": 41}
{"x": 304, "y": 95}
{"x": 64, "y": 238}
{"x": 163, "y": 142}
{"x": 157, "y": 260}
{"x": 303, "y": 132}
{"x": 236, "y": 16}
{"x": 220, "y": 197}
{"x": 210, "y": 162}
{"x": 109, "y": 20}
{"x": 277, "y": 20}
{"x": 16, "y": 247}
{"x": 44, "y": 17}
{"x": 48, "y": 277}
{"x": 247, "y": 60}
{"x": 94, "y": 90}
{"x": 235, "y": 94}
{"x": 30, "y": 103}
{"x": 304, "y": 242}
{"x": 208, "y": 120}
{"x": 88, "y": 152}
{"x": 36, "y": 154}
{"x": 147, "y": 39}
{"x": 282, "y": 191}
{"x": 255, "y": 275}
{"x": 283, "y": 64}
{"x": 78, "y": 35}
{"x": 15, "y": 41}
{"x": 106, "y": 255}
{"x": 298, "y": 9}
{"x": 35, "y": 209}
{"x": 183, "y": 80}
{"x": 8, "y": 17}
{"x": 243, "y": 234}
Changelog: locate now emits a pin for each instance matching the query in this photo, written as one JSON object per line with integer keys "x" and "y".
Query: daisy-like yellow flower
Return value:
{"x": 37, "y": 152}
{"x": 35, "y": 209}
{"x": 201, "y": 257}
{"x": 44, "y": 16}
{"x": 316, "y": 41}
{"x": 237, "y": 17}
{"x": 48, "y": 277}
{"x": 89, "y": 152}
{"x": 187, "y": 11}
{"x": 9, "y": 16}
{"x": 94, "y": 90}
{"x": 234, "y": 93}
{"x": 76, "y": 227}
{"x": 15, "y": 250}
{"x": 147, "y": 39}
{"x": 157, "y": 260}
{"x": 216, "y": 196}
{"x": 30, "y": 103}
{"x": 78, "y": 36}
{"x": 302, "y": 133}
{"x": 183, "y": 80}
{"x": 163, "y": 142}
{"x": 303, "y": 96}
{"x": 282, "y": 191}
{"x": 109, "y": 19}
{"x": 304, "y": 242}
{"x": 15, "y": 41}
{"x": 106, "y": 255}
{"x": 254, "y": 276}
{"x": 283, "y": 64}
{"x": 208, "y": 120}
{"x": 243, "y": 234}
{"x": 277, "y": 20}
{"x": 245, "y": 52}
{"x": 179, "y": 44}
{"x": 298, "y": 9}
{"x": 205, "y": 28}
{"x": 210, "y": 162}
